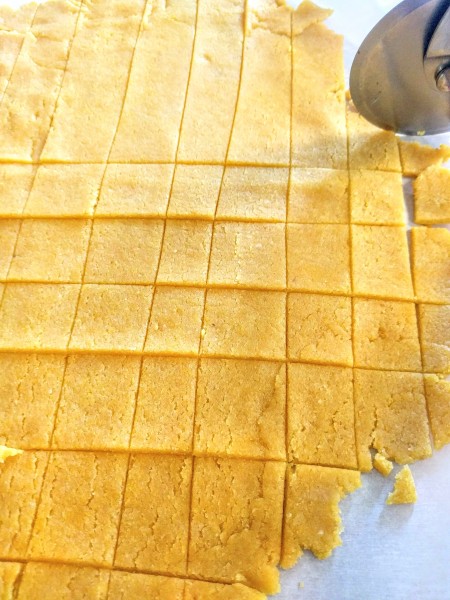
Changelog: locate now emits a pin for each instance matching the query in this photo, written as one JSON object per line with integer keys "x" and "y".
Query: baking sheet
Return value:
{"x": 395, "y": 552}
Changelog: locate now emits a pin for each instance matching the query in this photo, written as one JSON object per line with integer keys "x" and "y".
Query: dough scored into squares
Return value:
{"x": 164, "y": 419}
{"x": 434, "y": 328}
{"x": 318, "y": 196}
{"x": 437, "y": 392}
{"x": 321, "y": 416}
{"x": 30, "y": 386}
{"x": 380, "y": 262}
{"x": 432, "y": 196}
{"x": 97, "y": 402}
{"x": 62, "y": 582}
{"x": 9, "y": 230}
{"x": 82, "y": 492}
{"x": 244, "y": 323}
{"x": 185, "y": 252}
{"x": 390, "y": 416}
{"x": 111, "y": 317}
{"x": 195, "y": 191}
{"x": 175, "y": 321}
{"x": 248, "y": 255}
{"x": 385, "y": 335}
{"x": 50, "y": 250}
{"x": 16, "y": 182}
{"x": 124, "y": 251}
{"x": 311, "y": 515}
{"x": 431, "y": 264}
{"x": 319, "y": 328}
{"x": 253, "y": 194}
{"x": 376, "y": 198}
{"x": 21, "y": 480}
{"x": 240, "y": 408}
{"x": 154, "y": 526}
{"x": 135, "y": 190}
{"x": 65, "y": 190}
{"x": 37, "y": 316}
{"x": 136, "y": 586}
{"x": 237, "y": 508}
{"x": 318, "y": 258}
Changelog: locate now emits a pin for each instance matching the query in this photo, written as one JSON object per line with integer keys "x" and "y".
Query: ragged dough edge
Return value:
{"x": 416, "y": 157}
{"x": 319, "y": 501}
{"x": 307, "y": 14}
{"x": 382, "y": 464}
{"x": 404, "y": 491}
{"x": 6, "y": 453}
{"x": 270, "y": 15}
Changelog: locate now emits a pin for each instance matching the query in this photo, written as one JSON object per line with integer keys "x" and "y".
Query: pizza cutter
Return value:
{"x": 400, "y": 77}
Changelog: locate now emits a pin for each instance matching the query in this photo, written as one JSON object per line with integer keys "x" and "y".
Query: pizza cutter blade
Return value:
{"x": 400, "y": 77}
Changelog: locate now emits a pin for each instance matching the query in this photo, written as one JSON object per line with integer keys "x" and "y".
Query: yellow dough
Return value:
{"x": 432, "y": 196}
{"x": 210, "y": 324}
{"x": 382, "y": 464}
{"x": 311, "y": 518}
{"x": 437, "y": 392}
{"x": 404, "y": 488}
{"x": 417, "y": 157}
{"x": 376, "y": 198}
{"x": 431, "y": 264}
{"x": 319, "y": 196}
{"x": 434, "y": 327}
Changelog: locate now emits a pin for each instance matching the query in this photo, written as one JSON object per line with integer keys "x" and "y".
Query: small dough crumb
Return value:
{"x": 404, "y": 491}
{"x": 6, "y": 452}
{"x": 382, "y": 464}
{"x": 416, "y": 157}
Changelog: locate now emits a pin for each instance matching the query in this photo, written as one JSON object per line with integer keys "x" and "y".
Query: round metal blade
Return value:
{"x": 388, "y": 83}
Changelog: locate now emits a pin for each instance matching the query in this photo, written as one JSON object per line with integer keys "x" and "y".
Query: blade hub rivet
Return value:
{"x": 443, "y": 79}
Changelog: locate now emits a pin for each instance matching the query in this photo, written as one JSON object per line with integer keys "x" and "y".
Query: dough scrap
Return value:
{"x": 417, "y": 157}
{"x": 404, "y": 491}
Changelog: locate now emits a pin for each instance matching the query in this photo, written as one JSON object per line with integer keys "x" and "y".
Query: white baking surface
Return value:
{"x": 388, "y": 552}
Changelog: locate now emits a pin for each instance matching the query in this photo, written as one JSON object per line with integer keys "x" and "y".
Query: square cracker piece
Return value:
{"x": 195, "y": 191}
{"x": 237, "y": 509}
{"x": 9, "y": 230}
{"x": 311, "y": 515}
{"x": 167, "y": 387}
{"x": 248, "y": 255}
{"x": 111, "y": 317}
{"x": 30, "y": 385}
{"x": 21, "y": 480}
{"x": 432, "y": 196}
{"x": 318, "y": 258}
{"x": 175, "y": 321}
{"x": 97, "y": 402}
{"x": 124, "y": 251}
{"x": 50, "y": 250}
{"x": 240, "y": 408}
{"x": 318, "y": 196}
{"x": 136, "y": 586}
{"x": 380, "y": 262}
{"x": 78, "y": 516}
{"x": 434, "y": 328}
{"x": 321, "y": 416}
{"x": 135, "y": 190}
{"x": 245, "y": 324}
{"x": 376, "y": 198}
{"x": 62, "y": 582}
{"x": 37, "y": 316}
{"x": 65, "y": 190}
{"x": 16, "y": 182}
{"x": 390, "y": 416}
{"x": 319, "y": 328}
{"x": 185, "y": 252}
{"x": 253, "y": 194}
{"x": 437, "y": 392}
{"x": 431, "y": 264}
{"x": 154, "y": 526}
{"x": 385, "y": 335}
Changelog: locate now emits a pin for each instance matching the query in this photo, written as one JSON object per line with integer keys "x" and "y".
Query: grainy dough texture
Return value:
{"x": 209, "y": 322}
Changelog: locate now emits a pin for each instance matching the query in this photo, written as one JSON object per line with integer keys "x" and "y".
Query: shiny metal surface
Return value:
{"x": 394, "y": 76}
